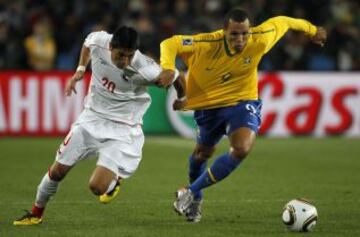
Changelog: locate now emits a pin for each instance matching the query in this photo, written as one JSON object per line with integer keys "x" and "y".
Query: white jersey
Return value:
{"x": 118, "y": 94}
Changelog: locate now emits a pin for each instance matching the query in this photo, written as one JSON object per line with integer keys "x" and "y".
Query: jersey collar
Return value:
{"x": 233, "y": 53}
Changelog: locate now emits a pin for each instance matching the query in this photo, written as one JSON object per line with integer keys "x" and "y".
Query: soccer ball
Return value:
{"x": 299, "y": 215}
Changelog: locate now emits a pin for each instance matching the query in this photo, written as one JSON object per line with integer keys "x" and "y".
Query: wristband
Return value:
{"x": 182, "y": 98}
{"x": 81, "y": 68}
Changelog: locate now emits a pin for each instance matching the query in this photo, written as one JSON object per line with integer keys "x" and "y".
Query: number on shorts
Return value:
{"x": 250, "y": 108}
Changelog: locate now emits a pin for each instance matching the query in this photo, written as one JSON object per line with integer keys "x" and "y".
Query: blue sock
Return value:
{"x": 195, "y": 170}
{"x": 220, "y": 169}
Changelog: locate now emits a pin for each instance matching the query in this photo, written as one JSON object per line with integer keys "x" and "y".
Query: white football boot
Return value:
{"x": 193, "y": 213}
{"x": 184, "y": 198}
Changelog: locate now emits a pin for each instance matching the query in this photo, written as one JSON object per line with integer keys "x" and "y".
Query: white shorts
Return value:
{"x": 118, "y": 145}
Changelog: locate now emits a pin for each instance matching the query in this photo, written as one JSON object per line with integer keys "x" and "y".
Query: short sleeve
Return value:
{"x": 99, "y": 38}
{"x": 151, "y": 72}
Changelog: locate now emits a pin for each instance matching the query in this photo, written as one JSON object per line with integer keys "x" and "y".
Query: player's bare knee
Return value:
{"x": 57, "y": 174}
{"x": 96, "y": 188}
{"x": 240, "y": 152}
{"x": 203, "y": 154}
{"x": 58, "y": 171}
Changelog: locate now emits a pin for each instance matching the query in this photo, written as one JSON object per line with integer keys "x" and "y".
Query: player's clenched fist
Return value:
{"x": 179, "y": 103}
{"x": 320, "y": 36}
{"x": 165, "y": 78}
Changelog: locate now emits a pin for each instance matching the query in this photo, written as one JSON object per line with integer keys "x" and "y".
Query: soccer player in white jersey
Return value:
{"x": 110, "y": 124}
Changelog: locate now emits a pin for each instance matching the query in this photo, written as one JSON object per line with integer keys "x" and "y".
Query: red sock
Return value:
{"x": 37, "y": 211}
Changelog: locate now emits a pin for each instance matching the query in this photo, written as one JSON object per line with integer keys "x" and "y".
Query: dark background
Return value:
{"x": 65, "y": 24}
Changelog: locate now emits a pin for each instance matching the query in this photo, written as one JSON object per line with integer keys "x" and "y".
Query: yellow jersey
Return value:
{"x": 218, "y": 77}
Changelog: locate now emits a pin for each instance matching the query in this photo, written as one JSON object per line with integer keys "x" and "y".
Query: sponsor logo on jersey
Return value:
{"x": 225, "y": 77}
{"x": 103, "y": 62}
{"x": 128, "y": 72}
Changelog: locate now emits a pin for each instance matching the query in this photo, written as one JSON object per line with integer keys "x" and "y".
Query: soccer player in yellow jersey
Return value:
{"x": 221, "y": 86}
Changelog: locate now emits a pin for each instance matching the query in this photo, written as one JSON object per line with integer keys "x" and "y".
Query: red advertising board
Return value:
{"x": 34, "y": 104}
{"x": 298, "y": 104}
{"x": 315, "y": 104}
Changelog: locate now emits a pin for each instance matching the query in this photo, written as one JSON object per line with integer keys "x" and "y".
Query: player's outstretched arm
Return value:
{"x": 278, "y": 26}
{"x": 320, "y": 36}
{"x": 80, "y": 71}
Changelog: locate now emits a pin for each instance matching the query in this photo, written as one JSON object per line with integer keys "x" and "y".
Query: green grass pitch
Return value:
{"x": 248, "y": 203}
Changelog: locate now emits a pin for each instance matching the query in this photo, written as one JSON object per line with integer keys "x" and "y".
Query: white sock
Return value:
{"x": 111, "y": 185}
{"x": 46, "y": 189}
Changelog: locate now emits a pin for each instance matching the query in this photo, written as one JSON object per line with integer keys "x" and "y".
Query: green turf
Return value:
{"x": 248, "y": 203}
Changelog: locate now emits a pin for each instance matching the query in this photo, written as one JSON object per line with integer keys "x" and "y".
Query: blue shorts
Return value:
{"x": 214, "y": 123}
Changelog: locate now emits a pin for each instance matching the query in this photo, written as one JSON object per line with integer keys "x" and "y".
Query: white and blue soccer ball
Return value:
{"x": 299, "y": 215}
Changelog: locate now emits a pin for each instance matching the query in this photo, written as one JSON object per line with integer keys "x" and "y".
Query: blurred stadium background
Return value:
{"x": 66, "y": 22}
{"x": 309, "y": 92}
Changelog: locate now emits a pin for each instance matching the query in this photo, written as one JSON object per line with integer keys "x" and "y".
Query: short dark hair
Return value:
{"x": 236, "y": 14}
{"x": 125, "y": 37}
